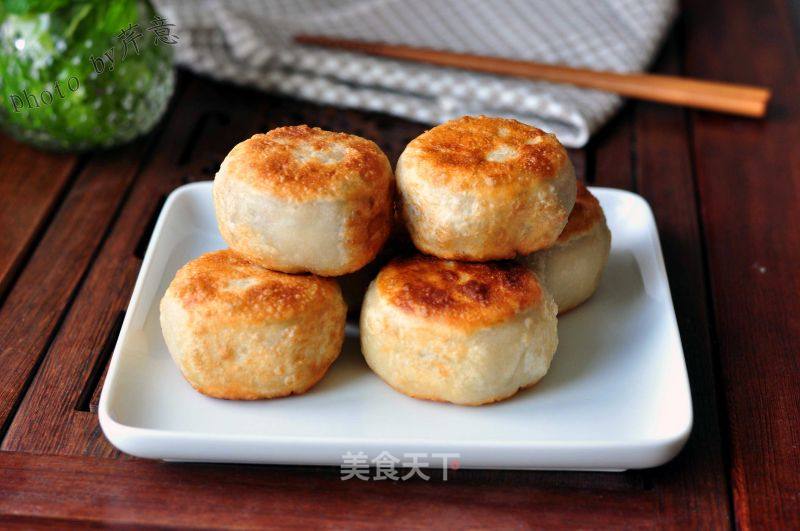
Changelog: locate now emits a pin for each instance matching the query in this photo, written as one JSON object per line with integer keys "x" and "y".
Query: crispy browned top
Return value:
{"x": 584, "y": 216}
{"x": 483, "y": 151}
{"x": 306, "y": 162}
{"x": 463, "y": 294}
{"x": 222, "y": 285}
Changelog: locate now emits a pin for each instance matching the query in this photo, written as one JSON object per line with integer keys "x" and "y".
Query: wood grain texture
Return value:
{"x": 611, "y": 154}
{"x": 749, "y": 183}
{"x": 723, "y": 193}
{"x": 151, "y": 493}
{"x": 698, "y": 485}
{"x": 645, "y": 150}
{"x": 33, "y": 308}
{"x": 31, "y": 182}
{"x": 48, "y": 419}
{"x": 208, "y": 121}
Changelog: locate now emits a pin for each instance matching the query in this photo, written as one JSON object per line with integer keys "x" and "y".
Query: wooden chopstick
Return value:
{"x": 729, "y": 98}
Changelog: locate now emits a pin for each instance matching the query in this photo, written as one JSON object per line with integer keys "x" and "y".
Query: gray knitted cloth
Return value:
{"x": 249, "y": 42}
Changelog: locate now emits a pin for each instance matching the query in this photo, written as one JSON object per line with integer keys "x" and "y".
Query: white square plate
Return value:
{"x": 616, "y": 397}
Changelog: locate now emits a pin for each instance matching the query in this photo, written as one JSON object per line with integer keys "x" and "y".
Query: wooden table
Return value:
{"x": 725, "y": 194}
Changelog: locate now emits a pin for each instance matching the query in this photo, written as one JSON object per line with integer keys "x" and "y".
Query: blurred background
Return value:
{"x": 91, "y": 74}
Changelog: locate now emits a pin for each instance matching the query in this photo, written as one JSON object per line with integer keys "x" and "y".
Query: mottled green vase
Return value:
{"x": 60, "y": 88}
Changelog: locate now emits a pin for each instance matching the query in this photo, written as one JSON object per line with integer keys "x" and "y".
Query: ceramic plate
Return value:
{"x": 616, "y": 397}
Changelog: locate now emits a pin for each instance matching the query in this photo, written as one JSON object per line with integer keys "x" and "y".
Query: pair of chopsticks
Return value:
{"x": 743, "y": 100}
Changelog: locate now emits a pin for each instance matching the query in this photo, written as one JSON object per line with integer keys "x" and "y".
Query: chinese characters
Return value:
{"x": 129, "y": 42}
{"x": 388, "y": 467}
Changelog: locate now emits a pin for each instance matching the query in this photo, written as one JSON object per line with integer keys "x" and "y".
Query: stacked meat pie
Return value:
{"x": 492, "y": 238}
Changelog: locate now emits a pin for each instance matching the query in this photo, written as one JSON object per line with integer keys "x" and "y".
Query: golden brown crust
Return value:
{"x": 369, "y": 226}
{"x": 223, "y": 283}
{"x": 302, "y": 162}
{"x": 584, "y": 216}
{"x": 458, "y": 293}
{"x": 485, "y": 151}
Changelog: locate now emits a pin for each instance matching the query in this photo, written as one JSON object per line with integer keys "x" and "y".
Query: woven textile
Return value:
{"x": 249, "y": 42}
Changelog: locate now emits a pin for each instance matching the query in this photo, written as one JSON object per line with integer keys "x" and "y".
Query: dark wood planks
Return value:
{"x": 138, "y": 493}
{"x": 749, "y": 183}
{"x": 611, "y": 153}
{"x": 54, "y": 415}
{"x": 48, "y": 419}
{"x": 698, "y": 491}
{"x": 31, "y": 182}
{"x": 645, "y": 150}
{"x": 35, "y": 304}
{"x": 747, "y": 175}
